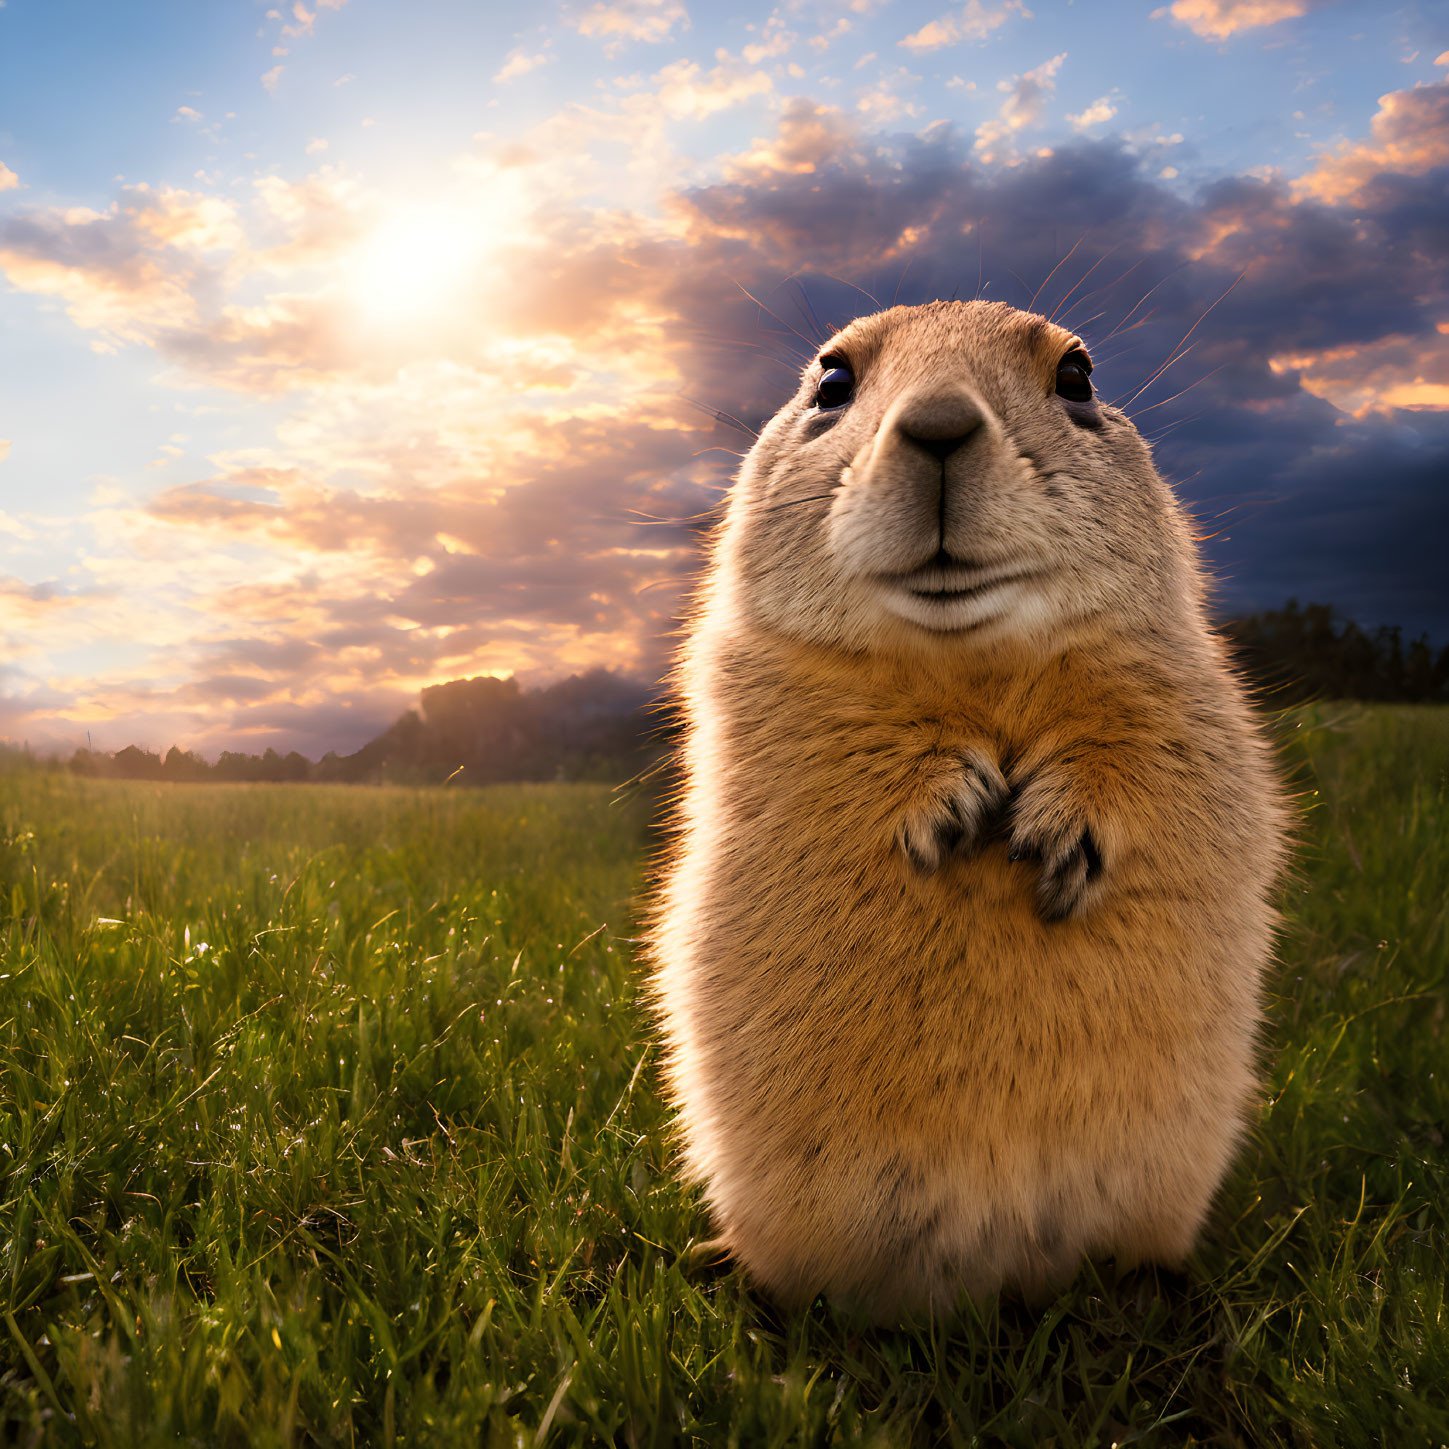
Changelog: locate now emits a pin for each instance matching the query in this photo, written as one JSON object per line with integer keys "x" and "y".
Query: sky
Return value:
{"x": 354, "y": 347}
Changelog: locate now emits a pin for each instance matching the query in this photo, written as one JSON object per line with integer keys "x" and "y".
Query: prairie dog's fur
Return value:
{"x": 957, "y": 954}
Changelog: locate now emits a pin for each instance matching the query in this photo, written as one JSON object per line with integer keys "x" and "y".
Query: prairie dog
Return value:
{"x": 957, "y": 951}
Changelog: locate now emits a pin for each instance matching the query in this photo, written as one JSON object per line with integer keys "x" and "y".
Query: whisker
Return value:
{"x": 674, "y": 579}
{"x": 905, "y": 272}
{"x": 1032, "y": 304}
{"x": 770, "y": 349}
{"x": 1081, "y": 325}
{"x": 1085, "y": 275}
{"x": 1141, "y": 300}
{"x": 1181, "y": 351}
{"x": 1176, "y": 357}
{"x": 783, "y": 323}
{"x": 1107, "y": 286}
{"x": 844, "y": 282}
{"x": 1172, "y": 427}
{"x": 645, "y": 520}
{"x": 1180, "y": 391}
{"x": 821, "y": 332}
{"x": 795, "y": 502}
{"x": 719, "y": 415}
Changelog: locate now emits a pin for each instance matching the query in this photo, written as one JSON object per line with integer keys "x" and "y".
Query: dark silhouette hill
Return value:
{"x": 586, "y": 727}
{"x": 604, "y": 726}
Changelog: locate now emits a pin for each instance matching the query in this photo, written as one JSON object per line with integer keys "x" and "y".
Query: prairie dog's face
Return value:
{"x": 946, "y": 473}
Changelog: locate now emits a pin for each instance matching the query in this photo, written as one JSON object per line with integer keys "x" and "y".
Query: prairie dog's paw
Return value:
{"x": 1050, "y": 825}
{"x": 959, "y": 808}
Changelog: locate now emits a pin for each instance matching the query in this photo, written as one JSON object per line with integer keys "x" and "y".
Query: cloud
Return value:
{"x": 1100, "y": 111}
{"x": 303, "y": 21}
{"x": 1318, "y": 280}
{"x": 1219, "y": 19}
{"x": 1024, "y": 104}
{"x": 8, "y": 179}
{"x": 102, "y": 265}
{"x": 648, "y": 21}
{"x": 808, "y": 137}
{"x": 4, "y": 449}
{"x": 319, "y": 216}
{"x": 29, "y": 607}
{"x": 186, "y": 113}
{"x": 975, "y": 21}
{"x": 184, "y": 220}
{"x": 298, "y": 23}
{"x": 526, "y": 492}
{"x": 883, "y": 102}
{"x": 685, "y": 92}
{"x": 155, "y": 269}
{"x": 519, "y": 62}
{"x": 1381, "y": 375}
{"x": 775, "y": 40}
{"x": 1409, "y": 136}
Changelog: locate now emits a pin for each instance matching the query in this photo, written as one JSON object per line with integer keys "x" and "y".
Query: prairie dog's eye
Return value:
{"x": 1074, "y": 377}
{"x": 836, "y": 386}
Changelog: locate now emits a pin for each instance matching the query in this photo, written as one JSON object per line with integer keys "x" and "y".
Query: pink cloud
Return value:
{"x": 1409, "y": 135}
{"x": 1220, "y": 19}
{"x": 648, "y": 21}
{"x": 974, "y": 21}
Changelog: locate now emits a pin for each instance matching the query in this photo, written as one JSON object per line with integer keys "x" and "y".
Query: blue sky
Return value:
{"x": 350, "y": 348}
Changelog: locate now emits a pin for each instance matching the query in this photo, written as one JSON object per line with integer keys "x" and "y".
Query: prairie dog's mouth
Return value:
{"x": 955, "y": 595}
{"x": 959, "y": 579}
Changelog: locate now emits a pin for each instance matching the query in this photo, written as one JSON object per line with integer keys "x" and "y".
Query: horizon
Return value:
{"x": 408, "y": 344}
{"x": 1293, "y": 670}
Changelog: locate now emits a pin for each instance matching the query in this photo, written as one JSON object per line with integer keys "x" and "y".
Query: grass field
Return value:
{"x": 330, "y": 1116}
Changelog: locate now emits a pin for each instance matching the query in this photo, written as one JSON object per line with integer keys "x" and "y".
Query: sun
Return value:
{"x": 417, "y": 265}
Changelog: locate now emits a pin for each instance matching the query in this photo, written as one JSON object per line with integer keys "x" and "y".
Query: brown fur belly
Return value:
{"x": 898, "y": 1085}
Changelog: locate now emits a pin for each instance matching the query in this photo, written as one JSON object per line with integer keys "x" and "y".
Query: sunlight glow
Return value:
{"x": 419, "y": 264}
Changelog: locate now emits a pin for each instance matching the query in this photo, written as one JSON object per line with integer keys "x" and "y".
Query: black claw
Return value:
{"x": 951, "y": 831}
{"x": 1060, "y": 889}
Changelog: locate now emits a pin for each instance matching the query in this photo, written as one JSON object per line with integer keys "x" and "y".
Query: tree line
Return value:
{"x": 475, "y": 731}
{"x": 1303, "y": 652}
{"x": 607, "y": 726}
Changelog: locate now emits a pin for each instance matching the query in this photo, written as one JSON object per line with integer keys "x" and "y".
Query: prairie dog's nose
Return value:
{"x": 939, "y": 421}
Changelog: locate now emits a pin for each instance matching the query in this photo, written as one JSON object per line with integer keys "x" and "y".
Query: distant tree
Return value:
{"x": 485, "y": 724}
{"x": 330, "y": 768}
{"x": 1309, "y": 652}
{"x": 235, "y": 766}
{"x": 605, "y": 726}
{"x": 136, "y": 764}
{"x": 94, "y": 763}
{"x": 181, "y": 765}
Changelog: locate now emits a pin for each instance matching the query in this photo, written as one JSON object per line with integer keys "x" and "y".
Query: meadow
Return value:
{"x": 330, "y": 1115}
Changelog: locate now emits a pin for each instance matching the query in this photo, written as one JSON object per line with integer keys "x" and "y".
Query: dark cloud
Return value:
{"x": 1258, "y": 331}
{"x": 1327, "y": 505}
